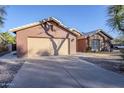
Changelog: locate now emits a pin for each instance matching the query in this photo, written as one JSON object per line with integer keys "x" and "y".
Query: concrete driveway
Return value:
{"x": 69, "y": 71}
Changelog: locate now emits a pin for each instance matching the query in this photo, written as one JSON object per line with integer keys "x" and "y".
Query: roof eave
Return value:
{"x": 106, "y": 34}
{"x": 14, "y": 30}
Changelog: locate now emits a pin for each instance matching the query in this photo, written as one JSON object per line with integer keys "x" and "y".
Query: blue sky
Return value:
{"x": 84, "y": 18}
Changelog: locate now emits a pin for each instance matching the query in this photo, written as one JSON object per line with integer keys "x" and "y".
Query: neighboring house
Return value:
{"x": 47, "y": 37}
{"x": 96, "y": 40}
{"x": 51, "y": 37}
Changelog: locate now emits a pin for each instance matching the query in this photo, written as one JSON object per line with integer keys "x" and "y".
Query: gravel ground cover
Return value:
{"x": 8, "y": 70}
{"x": 110, "y": 61}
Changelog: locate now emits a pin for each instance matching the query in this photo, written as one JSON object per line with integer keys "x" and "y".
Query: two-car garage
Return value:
{"x": 47, "y": 46}
{"x": 45, "y": 38}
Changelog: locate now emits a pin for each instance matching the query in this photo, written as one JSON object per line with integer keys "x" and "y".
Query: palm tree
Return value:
{"x": 2, "y": 14}
{"x": 116, "y": 17}
{"x": 116, "y": 22}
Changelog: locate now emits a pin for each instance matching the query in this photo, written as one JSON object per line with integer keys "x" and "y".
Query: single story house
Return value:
{"x": 46, "y": 37}
{"x": 96, "y": 40}
{"x": 51, "y": 37}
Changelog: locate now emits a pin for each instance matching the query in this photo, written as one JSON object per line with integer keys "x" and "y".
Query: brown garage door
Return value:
{"x": 47, "y": 46}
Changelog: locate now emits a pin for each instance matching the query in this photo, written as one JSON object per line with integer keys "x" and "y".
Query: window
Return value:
{"x": 95, "y": 44}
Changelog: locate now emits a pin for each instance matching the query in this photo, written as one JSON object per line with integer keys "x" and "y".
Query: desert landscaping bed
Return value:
{"x": 8, "y": 70}
{"x": 109, "y": 61}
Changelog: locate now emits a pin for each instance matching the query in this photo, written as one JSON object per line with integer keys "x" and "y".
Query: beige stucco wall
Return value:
{"x": 38, "y": 31}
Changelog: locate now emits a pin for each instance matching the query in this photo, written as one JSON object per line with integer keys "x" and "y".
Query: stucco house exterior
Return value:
{"x": 46, "y": 37}
{"x": 96, "y": 40}
{"x": 50, "y": 37}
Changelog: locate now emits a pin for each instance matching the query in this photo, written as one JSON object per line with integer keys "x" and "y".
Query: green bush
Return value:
{"x": 10, "y": 39}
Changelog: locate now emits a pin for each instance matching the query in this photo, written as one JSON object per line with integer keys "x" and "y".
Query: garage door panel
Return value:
{"x": 38, "y": 47}
{"x": 47, "y": 46}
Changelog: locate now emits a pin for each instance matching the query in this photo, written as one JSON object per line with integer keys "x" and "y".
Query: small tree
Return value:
{"x": 10, "y": 39}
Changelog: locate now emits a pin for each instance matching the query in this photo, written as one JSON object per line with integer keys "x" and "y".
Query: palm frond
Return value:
{"x": 116, "y": 17}
{"x": 2, "y": 14}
